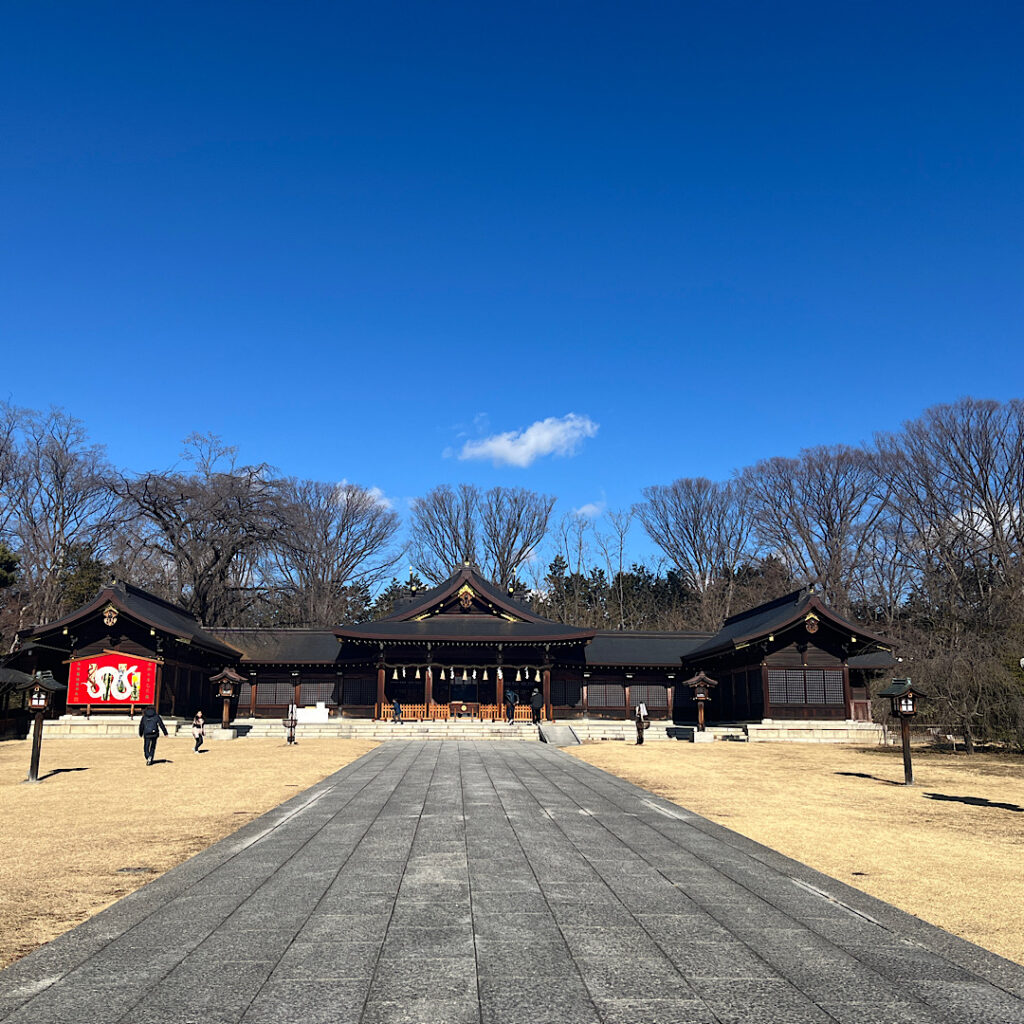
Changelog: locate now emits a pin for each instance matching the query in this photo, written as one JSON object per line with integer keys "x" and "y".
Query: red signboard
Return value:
{"x": 112, "y": 679}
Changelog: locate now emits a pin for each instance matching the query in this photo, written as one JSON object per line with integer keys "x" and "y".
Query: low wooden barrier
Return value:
{"x": 410, "y": 712}
{"x": 440, "y": 712}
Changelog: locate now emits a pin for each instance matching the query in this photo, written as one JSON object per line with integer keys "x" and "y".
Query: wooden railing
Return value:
{"x": 410, "y": 712}
{"x": 440, "y": 712}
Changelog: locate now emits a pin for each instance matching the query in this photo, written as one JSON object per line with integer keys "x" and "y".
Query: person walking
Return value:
{"x": 511, "y": 700}
{"x": 198, "y": 730}
{"x": 149, "y": 730}
{"x": 396, "y": 711}
{"x": 641, "y": 722}
{"x": 536, "y": 703}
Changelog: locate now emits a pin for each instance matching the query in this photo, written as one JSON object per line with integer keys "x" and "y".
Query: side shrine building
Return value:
{"x": 456, "y": 650}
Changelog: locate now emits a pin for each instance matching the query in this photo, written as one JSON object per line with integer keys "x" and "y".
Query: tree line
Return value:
{"x": 918, "y": 535}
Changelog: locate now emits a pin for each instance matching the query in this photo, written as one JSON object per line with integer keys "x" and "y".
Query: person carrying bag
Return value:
{"x": 642, "y": 721}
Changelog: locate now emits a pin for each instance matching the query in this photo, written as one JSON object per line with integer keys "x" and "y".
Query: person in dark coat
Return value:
{"x": 511, "y": 700}
{"x": 396, "y": 711}
{"x": 149, "y": 729}
{"x": 536, "y": 703}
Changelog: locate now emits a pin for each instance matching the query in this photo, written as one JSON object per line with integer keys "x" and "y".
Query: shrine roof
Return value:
{"x": 282, "y": 646}
{"x": 642, "y": 649}
{"x": 145, "y": 608}
{"x": 464, "y": 628}
{"x": 465, "y": 608}
{"x": 776, "y": 616}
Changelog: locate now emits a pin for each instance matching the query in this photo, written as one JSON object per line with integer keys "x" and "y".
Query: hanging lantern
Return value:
{"x": 442, "y": 675}
{"x": 536, "y": 676}
{"x": 485, "y": 675}
{"x": 518, "y": 678}
{"x": 394, "y": 674}
{"x": 417, "y": 672}
{"x": 464, "y": 676}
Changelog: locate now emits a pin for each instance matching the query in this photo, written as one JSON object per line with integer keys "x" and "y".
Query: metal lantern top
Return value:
{"x": 702, "y": 685}
{"x": 226, "y": 680}
{"x": 41, "y": 687}
{"x": 903, "y": 696}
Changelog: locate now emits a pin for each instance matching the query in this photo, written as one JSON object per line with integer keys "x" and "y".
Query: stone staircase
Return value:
{"x": 367, "y": 729}
{"x": 80, "y": 727}
{"x": 590, "y": 730}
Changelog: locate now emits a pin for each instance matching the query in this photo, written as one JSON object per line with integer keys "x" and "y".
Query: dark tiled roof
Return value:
{"x": 148, "y": 609}
{"x": 465, "y": 627}
{"x": 876, "y": 659}
{"x": 773, "y": 617}
{"x": 662, "y": 649}
{"x": 293, "y": 646}
{"x": 468, "y": 574}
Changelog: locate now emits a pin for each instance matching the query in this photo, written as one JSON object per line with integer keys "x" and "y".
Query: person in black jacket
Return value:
{"x": 511, "y": 700}
{"x": 536, "y": 703}
{"x": 149, "y": 730}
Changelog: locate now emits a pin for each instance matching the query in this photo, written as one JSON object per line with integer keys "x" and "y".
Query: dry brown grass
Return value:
{"x": 102, "y": 809}
{"x": 950, "y": 849}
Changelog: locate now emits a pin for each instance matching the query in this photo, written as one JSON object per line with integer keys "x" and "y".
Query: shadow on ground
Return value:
{"x": 61, "y": 771}
{"x": 874, "y": 778}
{"x": 976, "y": 801}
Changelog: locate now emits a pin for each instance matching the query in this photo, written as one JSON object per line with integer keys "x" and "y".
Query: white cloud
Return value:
{"x": 552, "y": 436}
{"x": 592, "y": 510}
{"x": 376, "y": 493}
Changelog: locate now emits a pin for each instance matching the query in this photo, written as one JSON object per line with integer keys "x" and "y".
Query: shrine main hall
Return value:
{"x": 455, "y": 650}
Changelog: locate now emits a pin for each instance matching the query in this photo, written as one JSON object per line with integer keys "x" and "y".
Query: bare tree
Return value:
{"x": 613, "y": 547}
{"x": 10, "y": 421}
{"x": 209, "y": 529}
{"x": 513, "y": 521}
{"x": 704, "y": 529}
{"x": 451, "y": 527}
{"x": 62, "y": 506}
{"x": 444, "y": 530}
{"x": 818, "y": 513}
{"x": 332, "y": 536}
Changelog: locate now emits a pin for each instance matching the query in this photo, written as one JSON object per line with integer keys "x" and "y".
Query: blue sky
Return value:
{"x": 352, "y": 238}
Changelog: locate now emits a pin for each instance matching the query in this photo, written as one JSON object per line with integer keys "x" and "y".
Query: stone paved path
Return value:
{"x": 476, "y": 882}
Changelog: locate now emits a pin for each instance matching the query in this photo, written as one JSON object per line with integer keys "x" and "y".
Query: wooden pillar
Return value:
{"x": 586, "y": 700}
{"x": 847, "y": 696}
{"x": 380, "y": 683}
{"x": 157, "y": 687}
{"x": 37, "y": 744}
{"x": 428, "y": 683}
{"x": 670, "y": 693}
{"x": 766, "y": 709}
{"x": 546, "y": 677}
{"x": 499, "y": 683}
{"x": 629, "y": 700}
{"x": 252, "y": 696}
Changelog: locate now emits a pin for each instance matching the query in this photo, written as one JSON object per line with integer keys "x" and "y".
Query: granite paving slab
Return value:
{"x": 463, "y": 882}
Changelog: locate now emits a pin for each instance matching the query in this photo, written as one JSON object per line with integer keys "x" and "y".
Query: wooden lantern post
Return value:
{"x": 226, "y": 681}
{"x": 904, "y": 705}
{"x": 702, "y": 685}
{"x": 41, "y": 688}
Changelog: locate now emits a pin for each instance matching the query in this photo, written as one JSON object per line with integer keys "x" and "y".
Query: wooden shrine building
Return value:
{"x": 457, "y": 649}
